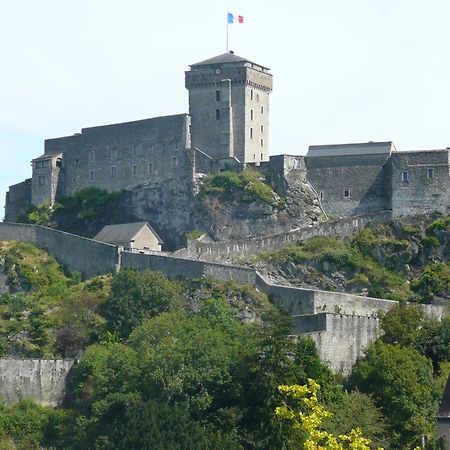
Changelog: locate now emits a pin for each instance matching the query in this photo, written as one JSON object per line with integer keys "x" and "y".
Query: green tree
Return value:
{"x": 402, "y": 385}
{"x": 136, "y": 296}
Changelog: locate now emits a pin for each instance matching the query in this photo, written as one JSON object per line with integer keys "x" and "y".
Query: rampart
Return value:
{"x": 77, "y": 253}
{"x": 229, "y": 251}
{"x": 43, "y": 380}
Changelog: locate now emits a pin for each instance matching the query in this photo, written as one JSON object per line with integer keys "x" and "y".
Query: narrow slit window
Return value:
{"x": 134, "y": 170}
{"x": 251, "y": 114}
{"x": 251, "y": 94}
{"x": 150, "y": 168}
{"x": 174, "y": 162}
{"x": 217, "y": 96}
{"x": 262, "y": 142}
{"x": 262, "y": 109}
{"x": 217, "y": 114}
{"x": 262, "y": 128}
{"x": 113, "y": 171}
{"x": 405, "y": 177}
{"x": 91, "y": 175}
{"x": 346, "y": 193}
{"x": 251, "y": 133}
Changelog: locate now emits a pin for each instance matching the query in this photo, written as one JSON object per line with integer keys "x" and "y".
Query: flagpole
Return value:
{"x": 227, "y": 31}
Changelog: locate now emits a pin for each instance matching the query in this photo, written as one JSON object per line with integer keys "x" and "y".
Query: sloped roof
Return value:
{"x": 225, "y": 58}
{"x": 444, "y": 408}
{"x": 124, "y": 232}
{"x": 364, "y": 148}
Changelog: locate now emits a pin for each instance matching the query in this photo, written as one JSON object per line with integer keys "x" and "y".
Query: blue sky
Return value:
{"x": 344, "y": 71}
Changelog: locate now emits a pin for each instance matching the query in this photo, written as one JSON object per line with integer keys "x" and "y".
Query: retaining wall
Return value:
{"x": 234, "y": 250}
{"x": 43, "y": 380}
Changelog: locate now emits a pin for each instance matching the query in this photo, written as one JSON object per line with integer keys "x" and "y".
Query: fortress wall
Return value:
{"x": 43, "y": 380}
{"x": 77, "y": 253}
{"x": 420, "y": 193}
{"x": 182, "y": 268}
{"x": 125, "y": 155}
{"x": 18, "y": 200}
{"x": 233, "y": 250}
{"x": 363, "y": 176}
{"x": 17, "y": 232}
{"x": 344, "y": 339}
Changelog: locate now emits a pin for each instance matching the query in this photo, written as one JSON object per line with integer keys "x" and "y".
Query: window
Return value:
{"x": 251, "y": 114}
{"x": 174, "y": 162}
{"x": 346, "y": 193}
{"x": 262, "y": 142}
{"x": 262, "y": 156}
{"x": 190, "y": 129}
{"x": 251, "y": 133}
{"x": 217, "y": 114}
{"x": 76, "y": 162}
{"x": 430, "y": 173}
{"x": 251, "y": 94}
{"x": 113, "y": 171}
{"x": 262, "y": 128}
{"x": 321, "y": 195}
{"x": 405, "y": 177}
{"x": 134, "y": 170}
{"x": 91, "y": 175}
{"x": 262, "y": 109}
{"x": 150, "y": 168}
{"x": 257, "y": 97}
{"x": 92, "y": 155}
{"x": 41, "y": 164}
{"x": 217, "y": 96}
{"x": 41, "y": 180}
{"x": 254, "y": 156}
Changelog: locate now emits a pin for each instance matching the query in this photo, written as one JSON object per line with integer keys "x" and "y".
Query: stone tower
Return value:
{"x": 229, "y": 106}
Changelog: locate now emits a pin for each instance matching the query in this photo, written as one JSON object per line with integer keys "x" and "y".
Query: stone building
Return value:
{"x": 227, "y": 128}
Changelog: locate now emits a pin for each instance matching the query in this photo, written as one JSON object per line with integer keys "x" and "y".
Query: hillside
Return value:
{"x": 403, "y": 260}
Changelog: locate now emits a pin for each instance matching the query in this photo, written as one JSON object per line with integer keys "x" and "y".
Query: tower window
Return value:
{"x": 113, "y": 171}
{"x": 91, "y": 175}
{"x": 262, "y": 142}
{"x": 262, "y": 128}
{"x": 150, "y": 168}
{"x": 251, "y": 114}
{"x": 251, "y": 94}
{"x": 251, "y": 133}
{"x": 92, "y": 155}
{"x": 217, "y": 96}
{"x": 262, "y": 156}
{"x": 430, "y": 173}
{"x": 405, "y": 177}
{"x": 257, "y": 97}
{"x": 190, "y": 129}
{"x": 321, "y": 195}
{"x": 262, "y": 109}
{"x": 41, "y": 180}
{"x": 346, "y": 193}
{"x": 134, "y": 170}
{"x": 174, "y": 162}
{"x": 217, "y": 114}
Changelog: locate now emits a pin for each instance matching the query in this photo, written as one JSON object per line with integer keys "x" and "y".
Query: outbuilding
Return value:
{"x": 137, "y": 237}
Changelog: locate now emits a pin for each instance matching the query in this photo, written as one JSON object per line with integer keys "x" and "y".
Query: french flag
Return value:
{"x": 233, "y": 18}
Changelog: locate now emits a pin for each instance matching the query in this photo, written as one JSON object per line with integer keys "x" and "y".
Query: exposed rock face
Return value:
{"x": 175, "y": 208}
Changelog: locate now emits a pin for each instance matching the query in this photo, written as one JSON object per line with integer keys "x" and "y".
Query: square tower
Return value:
{"x": 229, "y": 107}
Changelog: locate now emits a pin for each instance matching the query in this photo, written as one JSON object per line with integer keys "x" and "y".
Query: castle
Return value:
{"x": 228, "y": 128}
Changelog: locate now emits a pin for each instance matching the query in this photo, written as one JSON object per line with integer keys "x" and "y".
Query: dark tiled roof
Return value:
{"x": 117, "y": 234}
{"x": 225, "y": 58}
{"x": 444, "y": 409}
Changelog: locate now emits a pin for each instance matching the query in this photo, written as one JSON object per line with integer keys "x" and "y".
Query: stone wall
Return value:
{"x": 43, "y": 380}
{"x": 230, "y": 251}
{"x": 77, "y": 253}
{"x": 18, "y": 200}
{"x": 420, "y": 182}
{"x": 181, "y": 268}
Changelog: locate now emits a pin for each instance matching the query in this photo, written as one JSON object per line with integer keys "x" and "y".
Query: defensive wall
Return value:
{"x": 43, "y": 380}
{"x": 229, "y": 251}
{"x": 342, "y": 325}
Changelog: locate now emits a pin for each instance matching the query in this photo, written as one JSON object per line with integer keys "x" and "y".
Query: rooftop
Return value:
{"x": 226, "y": 58}
{"x": 124, "y": 232}
{"x": 362, "y": 148}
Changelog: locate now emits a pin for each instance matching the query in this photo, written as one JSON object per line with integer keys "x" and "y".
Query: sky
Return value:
{"x": 344, "y": 70}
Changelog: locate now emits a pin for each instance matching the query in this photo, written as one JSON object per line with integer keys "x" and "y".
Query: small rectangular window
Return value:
{"x": 251, "y": 114}
{"x": 251, "y": 133}
{"x": 262, "y": 142}
{"x": 91, "y": 175}
{"x": 41, "y": 180}
{"x": 217, "y": 114}
{"x": 150, "y": 168}
{"x": 92, "y": 155}
{"x": 251, "y": 94}
{"x": 262, "y": 156}
{"x": 217, "y": 96}
{"x": 430, "y": 173}
{"x": 113, "y": 171}
{"x": 405, "y": 177}
{"x": 134, "y": 170}
{"x": 262, "y": 109}
{"x": 346, "y": 193}
{"x": 174, "y": 162}
{"x": 321, "y": 196}
{"x": 190, "y": 129}
{"x": 254, "y": 156}
{"x": 262, "y": 128}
